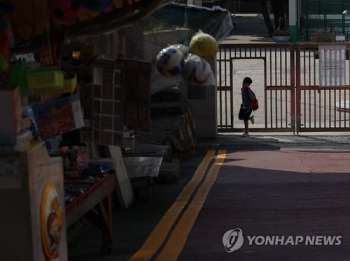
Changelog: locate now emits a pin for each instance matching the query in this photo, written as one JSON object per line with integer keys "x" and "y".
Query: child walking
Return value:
{"x": 246, "y": 106}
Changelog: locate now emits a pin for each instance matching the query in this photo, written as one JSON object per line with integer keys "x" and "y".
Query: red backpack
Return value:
{"x": 255, "y": 104}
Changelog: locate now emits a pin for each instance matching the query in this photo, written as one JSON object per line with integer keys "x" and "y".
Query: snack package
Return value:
{"x": 80, "y": 157}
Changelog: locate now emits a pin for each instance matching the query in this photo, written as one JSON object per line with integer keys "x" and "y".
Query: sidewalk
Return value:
{"x": 250, "y": 28}
{"x": 279, "y": 141}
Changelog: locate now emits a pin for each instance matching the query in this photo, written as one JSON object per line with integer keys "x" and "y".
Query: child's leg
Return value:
{"x": 246, "y": 125}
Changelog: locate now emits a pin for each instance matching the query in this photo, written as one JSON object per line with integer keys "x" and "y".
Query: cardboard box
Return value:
{"x": 11, "y": 111}
{"x": 25, "y": 123}
{"x": 129, "y": 144}
{"x": 15, "y": 143}
{"x": 128, "y": 141}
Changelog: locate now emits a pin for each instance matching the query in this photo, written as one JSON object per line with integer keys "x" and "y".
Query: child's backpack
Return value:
{"x": 255, "y": 104}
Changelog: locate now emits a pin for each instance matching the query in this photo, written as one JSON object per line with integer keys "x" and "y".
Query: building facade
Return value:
{"x": 322, "y": 15}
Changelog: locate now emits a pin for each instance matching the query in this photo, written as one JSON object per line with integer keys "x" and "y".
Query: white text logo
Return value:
{"x": 294, "y": 240}
{"x": 233, "y": 240}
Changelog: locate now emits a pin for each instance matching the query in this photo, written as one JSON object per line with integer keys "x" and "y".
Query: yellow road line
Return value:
{"x": 178, "y": 237}
{"x": 160, "y": 232}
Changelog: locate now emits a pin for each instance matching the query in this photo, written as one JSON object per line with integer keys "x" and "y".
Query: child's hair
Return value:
{"x": 247, "y": 80}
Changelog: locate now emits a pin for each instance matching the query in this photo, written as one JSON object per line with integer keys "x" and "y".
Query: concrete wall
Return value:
{"x": 204, "y": 107}
{"x": 204, "y": 112}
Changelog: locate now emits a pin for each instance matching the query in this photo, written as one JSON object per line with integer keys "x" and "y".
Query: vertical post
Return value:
{"x": 331, "y": 27}
{"x": 297, "y": 115}
{"x": 293, "y": 20}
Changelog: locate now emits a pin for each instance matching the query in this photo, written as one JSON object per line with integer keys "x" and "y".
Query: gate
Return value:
{"x": 271, "y": 67}
{"x": 319, "y": 108}
{"x": 286, "y": 83}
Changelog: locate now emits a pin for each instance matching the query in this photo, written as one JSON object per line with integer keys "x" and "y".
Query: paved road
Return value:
{"x": 291, "y": 194}
{"x": 266, "y": 191}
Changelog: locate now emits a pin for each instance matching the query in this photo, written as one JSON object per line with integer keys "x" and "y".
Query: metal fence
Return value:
{"x": 319, "y": 108}
{"x": 271, "y": 66}
{"x": 286, "y": 83}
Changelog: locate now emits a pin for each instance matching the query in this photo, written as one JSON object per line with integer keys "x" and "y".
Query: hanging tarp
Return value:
{"x": 215, "y": 21}
{"x": 33, "y": 18}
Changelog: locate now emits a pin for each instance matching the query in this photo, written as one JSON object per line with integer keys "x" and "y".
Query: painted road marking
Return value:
{"x": 178, "y": 238}
{"x": 161, "y": 231}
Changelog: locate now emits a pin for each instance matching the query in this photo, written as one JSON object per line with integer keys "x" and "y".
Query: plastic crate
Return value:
{"x": 18, "y": 77}
{"x": 69, "y": 85}
{"x": 46, "y": 81}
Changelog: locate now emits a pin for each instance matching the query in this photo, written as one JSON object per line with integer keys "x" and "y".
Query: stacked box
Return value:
{"x": 15, "y": 143}
{"x": 11, "y": 111}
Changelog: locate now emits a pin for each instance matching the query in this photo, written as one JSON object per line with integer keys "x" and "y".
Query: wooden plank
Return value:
{"x": 189, "y": 130}
{"x": 87, "y": 203}
{"x": 122, "y": 182}
{"x": 105, "y": 212}
{"x": 123, "y": 185}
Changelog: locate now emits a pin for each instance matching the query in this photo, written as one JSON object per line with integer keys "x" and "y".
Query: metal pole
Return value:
{"x": 293, "y": 20}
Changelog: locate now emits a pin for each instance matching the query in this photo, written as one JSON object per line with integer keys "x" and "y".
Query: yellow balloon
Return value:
{"x": 204, "y": 45}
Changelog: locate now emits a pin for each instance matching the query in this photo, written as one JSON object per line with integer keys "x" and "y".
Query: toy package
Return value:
{"x": 59, "y": 116}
